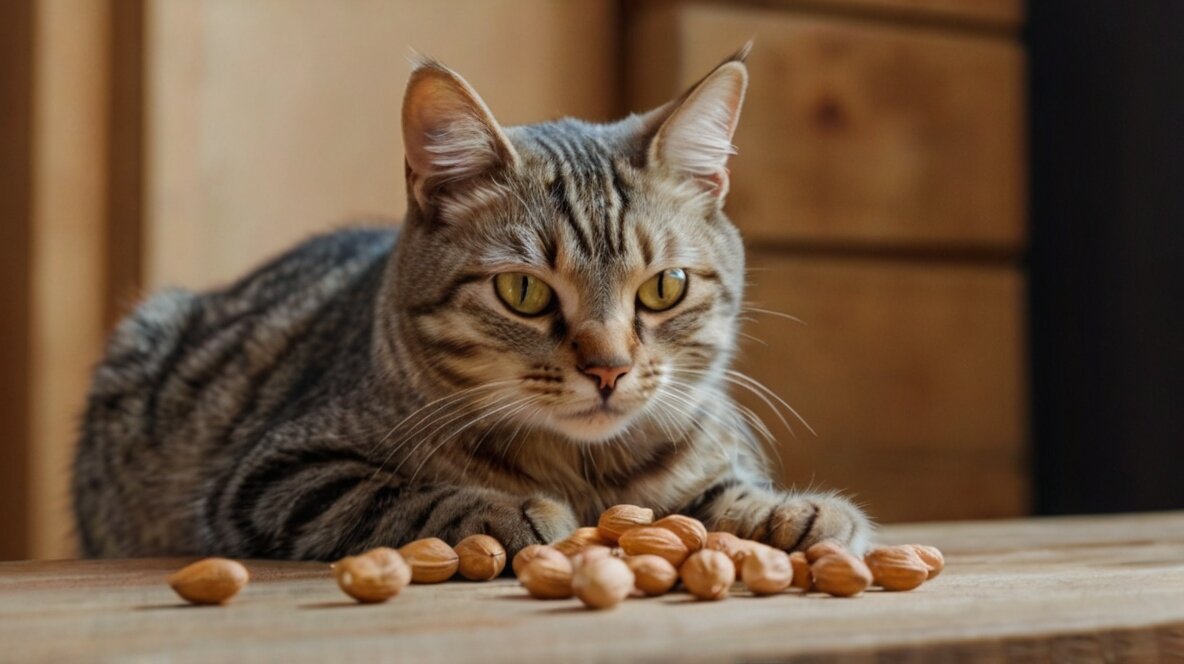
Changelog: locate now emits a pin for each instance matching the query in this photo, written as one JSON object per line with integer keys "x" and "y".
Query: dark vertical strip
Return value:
{"x": 1107, "y": 254}
{"x": 125, "y": 192}
{"x": 16, "y": 186}
{"x": 623, "y": 206}
{"x": 15, "y": 232}
{"x": 559, "y": 193}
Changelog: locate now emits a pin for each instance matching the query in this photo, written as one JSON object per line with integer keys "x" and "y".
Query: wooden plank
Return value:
{"x": 911, "y": 373}
{"x": 16, "y": 184}
{"x": 270, "y": 120}
{"x": 856, "y": 133}
{"x": 998, "y": 14}
{"x": 1041, "y": 589}
{"x": 68, "y": 249}
{"x": 123, "y": 264}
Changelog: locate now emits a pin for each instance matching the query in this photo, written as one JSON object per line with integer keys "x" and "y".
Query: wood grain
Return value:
{"x": 269, "y": 120}
{"x": 911, "y": 374}
{"x": 856, "y": 133}
{"x": 1000, "y": 14}
{"x": 16, "y": 183}
{"x": 67, "y": 279}
{"x": 1080, "y": 589}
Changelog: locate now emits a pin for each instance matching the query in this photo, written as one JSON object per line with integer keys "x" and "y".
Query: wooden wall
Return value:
{"x": 880, "y": 189}
{"x": 16, "y": 151}
{"x": 57, "y": 286}
{"x": 152, "y": 142}
{"x": 272, "y": 119}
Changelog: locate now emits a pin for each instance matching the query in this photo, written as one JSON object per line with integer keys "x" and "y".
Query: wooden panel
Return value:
{"x": 16, "y": 106}
{"x": 271, "y": 119}
{"x": 1040, "y": 590}
{"x": 856, "y": 133}
{"x": 911, "y": 374}
{"x": 123, "y": 265}
{"x": 68, "y": 249}
{"x": 989, "y": 13}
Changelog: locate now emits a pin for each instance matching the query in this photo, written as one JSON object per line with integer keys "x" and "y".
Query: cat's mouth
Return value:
{"x": 594, "y": 424}
{"x": 598, "y": 411}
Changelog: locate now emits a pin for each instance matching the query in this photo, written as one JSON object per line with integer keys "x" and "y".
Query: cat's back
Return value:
{"x": 188, "y": 377}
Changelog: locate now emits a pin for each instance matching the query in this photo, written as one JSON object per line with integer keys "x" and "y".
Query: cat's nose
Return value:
{"x": 606, "y": 376}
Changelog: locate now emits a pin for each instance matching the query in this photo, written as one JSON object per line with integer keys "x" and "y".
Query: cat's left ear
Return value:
{"x": 695, "y": 134}
{"x": 449, "y": 135}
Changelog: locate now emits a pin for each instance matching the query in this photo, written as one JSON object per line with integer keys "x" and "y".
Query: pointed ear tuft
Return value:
{"x": 449, "y": 135}
{"x": 696, "y": 136}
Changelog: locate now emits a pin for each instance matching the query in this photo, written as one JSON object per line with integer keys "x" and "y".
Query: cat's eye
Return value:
{"x": 523, "y": 293}
{"x": 663, "y": 290}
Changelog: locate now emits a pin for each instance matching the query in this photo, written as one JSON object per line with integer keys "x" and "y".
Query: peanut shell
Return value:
{"x": 209, "y": 581}
{"x": 431, "y": 560}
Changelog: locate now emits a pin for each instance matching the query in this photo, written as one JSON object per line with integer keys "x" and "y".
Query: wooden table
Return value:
{"x": 1064, "y": 589}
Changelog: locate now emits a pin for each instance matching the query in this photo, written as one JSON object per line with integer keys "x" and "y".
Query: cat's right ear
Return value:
{"x": 449, "y": 135}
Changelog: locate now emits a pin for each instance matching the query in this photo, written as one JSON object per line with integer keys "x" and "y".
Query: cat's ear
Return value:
{"x": 449, "y": 135}
{"x": 693, "y": 134}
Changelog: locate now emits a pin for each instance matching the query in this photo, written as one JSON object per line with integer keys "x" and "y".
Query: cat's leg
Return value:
{"x": 393, "y": 515}
{"x": 788, "y": 520}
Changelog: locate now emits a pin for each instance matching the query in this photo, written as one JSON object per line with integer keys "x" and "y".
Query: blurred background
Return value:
{"x": 976, "y": 206}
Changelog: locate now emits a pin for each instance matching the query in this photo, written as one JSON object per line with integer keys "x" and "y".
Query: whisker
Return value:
{"x": 464, "y": 471}
{"x": 439, "y": 445}
{"x": 770, "y": 312}
{"x": 448, "y": 397}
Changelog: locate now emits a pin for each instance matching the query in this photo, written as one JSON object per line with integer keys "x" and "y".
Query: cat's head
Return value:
{"x": 572, "y": 276}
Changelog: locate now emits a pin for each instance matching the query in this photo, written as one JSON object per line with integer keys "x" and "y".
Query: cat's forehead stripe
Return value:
{"x": 583, "y": 169}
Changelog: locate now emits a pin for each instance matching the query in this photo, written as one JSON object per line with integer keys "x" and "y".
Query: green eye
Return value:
{"x": 522, "y": 292}
{"x": 663, "y": 290}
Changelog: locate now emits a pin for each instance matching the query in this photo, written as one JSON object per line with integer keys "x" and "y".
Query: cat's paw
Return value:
{"x": 533, "y": 520}
{"x": 800, "y": 520}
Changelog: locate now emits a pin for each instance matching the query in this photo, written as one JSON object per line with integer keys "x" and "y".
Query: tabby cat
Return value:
{"x": 548, "y": 333}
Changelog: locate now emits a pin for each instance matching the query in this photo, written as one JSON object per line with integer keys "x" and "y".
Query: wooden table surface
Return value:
{"x": 1064, "y": 589}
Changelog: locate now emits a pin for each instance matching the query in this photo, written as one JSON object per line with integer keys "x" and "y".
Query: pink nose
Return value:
{"x": 607, "y": 376}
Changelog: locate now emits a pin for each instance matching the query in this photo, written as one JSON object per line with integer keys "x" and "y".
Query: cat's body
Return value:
{"x": 362, "y": 390}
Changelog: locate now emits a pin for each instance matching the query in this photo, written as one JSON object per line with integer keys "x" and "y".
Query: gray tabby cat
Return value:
{"x": 548, "y": 334}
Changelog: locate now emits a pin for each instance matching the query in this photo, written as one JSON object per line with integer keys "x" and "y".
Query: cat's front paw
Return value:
{"x": 533, "y": 520}
{"x": 801, "y": 520}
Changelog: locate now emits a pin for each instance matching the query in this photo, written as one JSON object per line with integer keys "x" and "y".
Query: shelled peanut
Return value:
{"x": 209, "y": 581}
{"x": 677, "y": 548}
{"x": 374, "y": 576}
{"x": 627, "y": 554}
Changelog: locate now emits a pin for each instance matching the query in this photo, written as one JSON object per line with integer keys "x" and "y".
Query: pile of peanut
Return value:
{"x": 627, "y": 554}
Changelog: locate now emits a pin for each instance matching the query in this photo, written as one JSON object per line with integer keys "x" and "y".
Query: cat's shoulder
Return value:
{"x": 324, "y": 256}
{"x": 344, "y": 245}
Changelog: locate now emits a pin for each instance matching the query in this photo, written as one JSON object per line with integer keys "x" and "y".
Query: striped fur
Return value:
{"x": 368, "y": 387}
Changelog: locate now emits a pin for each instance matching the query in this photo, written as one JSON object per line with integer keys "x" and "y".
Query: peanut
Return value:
{"x": 692, "y": 532}
{"x": 209, "y": 581}
{"x": 655, "y": 541}
{"x": 616, "y": 520}
{"x": 802, "y": 578}
{"x": 896, "y": 567}
{"x": 653, "y": 575}
{"x": 823, "y": 548}
{"x": 603, "y": 582}
{"x": 374, "y": 576}
{"x": 840, "y": 575}
{"x": 431, "y": 560}
{"x": 480, "y": 557}
{"x": 548, "y": 576}
{"x": 582, "y": 537}
{"x": 708, "y": 574}
{"x": 766, "y": 571}
{"x": 932, "y": 558}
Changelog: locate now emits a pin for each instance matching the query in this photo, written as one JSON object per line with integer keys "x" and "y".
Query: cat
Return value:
{"x": 547, "y": 334}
